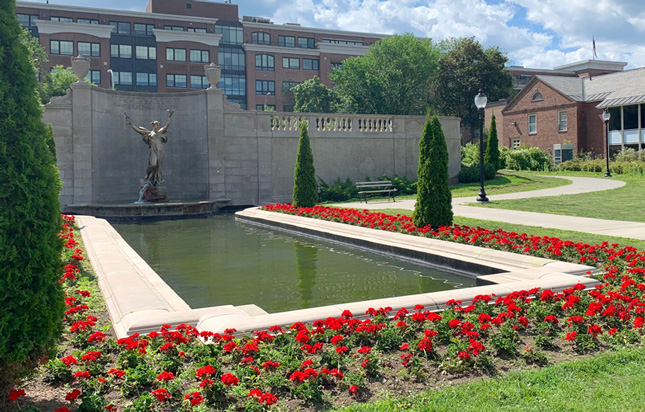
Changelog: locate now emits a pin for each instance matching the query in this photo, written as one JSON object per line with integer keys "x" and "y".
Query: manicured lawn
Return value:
{"x": 608, "y": 382}
{"x": 533, "y": 230}
{"x": 625, "y": 203}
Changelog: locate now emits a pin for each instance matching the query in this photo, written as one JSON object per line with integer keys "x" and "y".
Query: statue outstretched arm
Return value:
{"x": 165, "y": 128}
{"x": 141, "y": 130}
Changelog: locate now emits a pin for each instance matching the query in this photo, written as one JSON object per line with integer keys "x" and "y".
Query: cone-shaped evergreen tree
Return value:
{"x": 434, "y": 200}
{"x": 305, "y": 193}
{"x": 492, "y": 147}
{"x": 31, "y": 299}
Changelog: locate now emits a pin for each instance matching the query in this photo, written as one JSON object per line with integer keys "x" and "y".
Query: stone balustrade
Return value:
{"x": 333, "y": 123}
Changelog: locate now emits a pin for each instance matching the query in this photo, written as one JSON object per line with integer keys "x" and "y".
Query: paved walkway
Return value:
{"x": 632, "y": 230}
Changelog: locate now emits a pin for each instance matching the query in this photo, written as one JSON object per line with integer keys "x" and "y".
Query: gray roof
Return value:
{"x": 614, "y": 89}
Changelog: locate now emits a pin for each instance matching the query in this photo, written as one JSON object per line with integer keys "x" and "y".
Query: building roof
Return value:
{"x": 614, "y": 89}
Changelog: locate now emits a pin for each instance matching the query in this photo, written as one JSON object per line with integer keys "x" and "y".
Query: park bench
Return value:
{"x": 382, "y": 187}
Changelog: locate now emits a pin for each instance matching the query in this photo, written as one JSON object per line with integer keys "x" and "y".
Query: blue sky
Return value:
{"x": 533, "y": 33}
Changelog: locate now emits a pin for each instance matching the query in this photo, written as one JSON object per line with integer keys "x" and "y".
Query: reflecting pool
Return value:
{"x": 219, "y": 261}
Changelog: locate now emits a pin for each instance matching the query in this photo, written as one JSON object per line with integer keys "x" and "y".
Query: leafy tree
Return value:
{"x": 31, "y": 300}
{"x": 465, "y": 67}
{"x": 492, "y": 147}
{"x": 394, "y": 77}
{"x": 434, "y": 200}
{"x": 38, "y": 58}
{"x": 311, "y": 96}
{"x": 305, "y": 189}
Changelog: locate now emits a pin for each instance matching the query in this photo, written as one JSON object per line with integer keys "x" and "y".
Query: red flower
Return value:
{"x": 63, "y": 409}
{"x": 523, "y": 321}
{"x": 166, "y": 376}
{"x": 268, "y": 399}
{"x": 229, "y": 379}
{"x": 364, "y": 350}
{"x": 69, "y": 360}
{"x": 551, "y": 319}
{"x": 353, "y": 389}
{"x": 111, "y": 408}
{"x": 73, "y": 395}
{"x": 118, "y": 373}
{"x": 161, "y": 394}
{"x": 82, "y": 375}
{"x": 594, "y": 330}
{"x": 463, "y": 355}
{"x": 342, "y": 349}
{"x": 639, "y": 322}
{"x": 336, "y": 339}
{"x": 15, "y": 394}
{"x": 571, "y": 336}
{"x": 347, "y": 314}
{"x": 195, "y": 398}
{"x": 96, "y": 337}
{"x": 206, "y": 371}
{"x": 405, "y": 346}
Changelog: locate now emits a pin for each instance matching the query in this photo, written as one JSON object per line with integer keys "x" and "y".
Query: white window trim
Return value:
{"x": 529, "y": 124}
{"x": 566, "y": 123}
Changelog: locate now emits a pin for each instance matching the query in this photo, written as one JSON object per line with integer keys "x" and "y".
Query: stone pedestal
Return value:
{"x": 154, "y": 194}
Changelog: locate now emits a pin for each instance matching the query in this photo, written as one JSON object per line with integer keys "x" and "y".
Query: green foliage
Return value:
{"x": 305, "y": 189}
{"x": 471, "y": 174}
{"x": 394, "y": 77}
{"x": 625, "y": 162}
{"x": 528, "y": 158}
{"x": 339, "y": 191}
{"x": 470, "y": 154}
{"x": 434, "y": 200}
{"x": 31, "y": 299}
{"x": 491, "y": 155}
{"x": 464, "y": 68}
{"x": 312, "y": 96}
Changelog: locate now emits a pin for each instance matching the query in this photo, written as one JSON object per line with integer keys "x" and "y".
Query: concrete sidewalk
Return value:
{"x": 631, "y": 230}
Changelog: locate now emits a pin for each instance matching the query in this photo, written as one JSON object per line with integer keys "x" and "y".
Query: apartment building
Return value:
{"x": 165, "y": 48}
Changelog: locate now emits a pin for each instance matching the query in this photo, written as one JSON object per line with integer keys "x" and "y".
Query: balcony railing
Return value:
{"x": 333, "y": 123}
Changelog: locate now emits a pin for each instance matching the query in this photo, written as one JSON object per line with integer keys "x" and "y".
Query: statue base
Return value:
{"x": 153, "y": 194}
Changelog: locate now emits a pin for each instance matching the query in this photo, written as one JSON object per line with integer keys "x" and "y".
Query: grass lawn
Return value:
{"x": 533, "y": 230}
{"x": 625, "y": 203}
{"x": 608, "y": 382}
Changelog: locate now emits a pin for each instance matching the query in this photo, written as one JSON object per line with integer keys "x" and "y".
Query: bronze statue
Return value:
{"x": 155, "y": 139}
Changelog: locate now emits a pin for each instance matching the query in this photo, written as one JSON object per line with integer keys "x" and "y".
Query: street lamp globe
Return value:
{"x": 606, "y": 115}
{"x": 481, "y": 99}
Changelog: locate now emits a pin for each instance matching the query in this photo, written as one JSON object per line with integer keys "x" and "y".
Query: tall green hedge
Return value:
{"x": 492, "y": 147}
{"x": 434, "y": 200}
{"x": 305, "y": 189}
{"x": 31, "y": 300}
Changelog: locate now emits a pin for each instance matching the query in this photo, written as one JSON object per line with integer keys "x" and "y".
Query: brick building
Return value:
{"x": 165, "y": 48}
{"x": 555, "y": 110}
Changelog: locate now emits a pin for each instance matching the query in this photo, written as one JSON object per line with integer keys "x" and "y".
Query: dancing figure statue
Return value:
{"x": 156, "y": 140}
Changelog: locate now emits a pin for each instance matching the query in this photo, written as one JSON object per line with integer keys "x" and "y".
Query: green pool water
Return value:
{"x": 219, "y": 261}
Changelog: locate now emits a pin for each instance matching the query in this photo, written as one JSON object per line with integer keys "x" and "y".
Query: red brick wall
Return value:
{"x": 595, "y": 129}
{"x": 515, "y": 118}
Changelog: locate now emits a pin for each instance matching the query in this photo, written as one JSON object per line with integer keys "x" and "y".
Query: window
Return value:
{"x": 230, "y": 34}
{"x": 176, "y": 80}
{"x": 532, "y": 124}
{"x": 260, "y": 37}
{"x": 94, "y": 76}
{"x": 562, "y": 121}
{"x": 231, "y": 59}
{"x": 537, "y": 97}
{"x": 196, "y": 30}
{"x": 269, "y": 107}
{"x": 264, "y": 87}
{"x": 233, "y": 84}
{"x": 123, "y": 51}
{"x": 65, "y": 19}
{"x": 630, "y": 114}
{"x": 199, "y": 56}
{"x": 175, "y": 55}
{"x": 124, "y": 78}
{"x": 65, "y": 48}
{"x": 287, "y": 85}
{"x": 515, "y": 143}
{"x": 310, "y": 64}
{"x": 175, "y": 28}
{"x": 307, "y": 42}
{"x": 198, "y": 82}
{"x": 122, "y": 27}
{"x": 146, "y": 52}
{"x": 189, "y": 6}
{"x": 89, "y": 49}
{"x": 27, "y": 20}
{"x": 143, "y": 29}
{"x": 347, "y": 42}
{"x": 287, "y": 41}
{"x": 290, "y": 63}
{"x": 146, "y": 79}
{"x": 264, "y": 62}
{"x": 336, "y": 66}
{"x": 87, "y": 21}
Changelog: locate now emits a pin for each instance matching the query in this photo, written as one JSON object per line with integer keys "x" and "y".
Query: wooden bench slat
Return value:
{"x": 381, "y": 186}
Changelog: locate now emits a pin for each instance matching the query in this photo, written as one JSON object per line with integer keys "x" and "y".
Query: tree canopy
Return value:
{"x": 312, "y": 96}
{"x": 394, "y": 77}
{"x": 464, "y": 68}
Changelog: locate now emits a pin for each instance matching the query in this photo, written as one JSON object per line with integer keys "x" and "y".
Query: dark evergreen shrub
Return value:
{"x": 491, "y": 155}
{"x": 471, "y": 174}
{"x": 434, "y": 199}
{"x": 305, "y": 189}
{"x": 31, "y": 299}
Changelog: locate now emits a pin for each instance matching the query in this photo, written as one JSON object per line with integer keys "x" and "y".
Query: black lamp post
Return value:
{"x": 606, "y": 116}
{"x": 480, "y": 102}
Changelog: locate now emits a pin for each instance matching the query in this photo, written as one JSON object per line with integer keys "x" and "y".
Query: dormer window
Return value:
{"x": 537, "y": 97}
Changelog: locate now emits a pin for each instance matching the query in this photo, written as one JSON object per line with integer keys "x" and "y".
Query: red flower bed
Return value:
{"x": 338, "y": 360}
